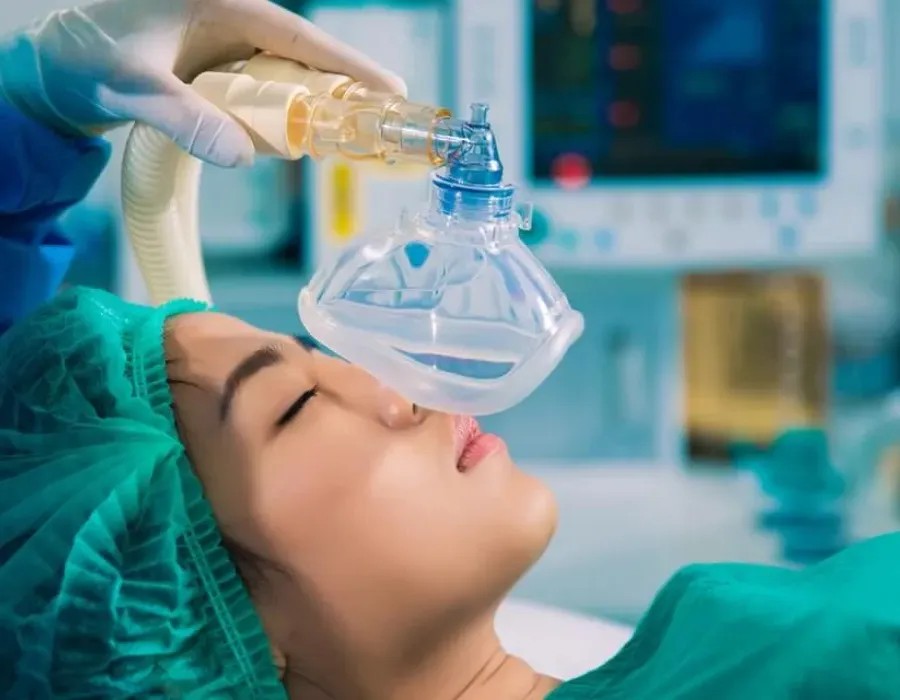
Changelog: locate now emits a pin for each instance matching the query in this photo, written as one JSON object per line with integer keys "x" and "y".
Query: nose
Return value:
{"x": 362, "y": 393}
{"x": 396, "y": 412}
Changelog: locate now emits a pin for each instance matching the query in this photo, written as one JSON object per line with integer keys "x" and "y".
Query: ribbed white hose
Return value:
{"x": 161, "y": 183}
{"x": 160, "y": 192}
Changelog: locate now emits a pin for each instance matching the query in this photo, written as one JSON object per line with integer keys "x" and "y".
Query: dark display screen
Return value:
{"x": 647, "y": 88}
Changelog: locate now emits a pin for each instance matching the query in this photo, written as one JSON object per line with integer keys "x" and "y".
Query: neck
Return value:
{"x": 506, "y": 677}
{"x": 469, "y": 670}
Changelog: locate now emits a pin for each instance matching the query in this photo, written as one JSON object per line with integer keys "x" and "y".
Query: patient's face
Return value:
{"x": 349, "y": 488}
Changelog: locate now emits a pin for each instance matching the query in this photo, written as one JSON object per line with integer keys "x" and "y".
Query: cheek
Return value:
{"x": 312, "y": 490}
{"x": 351, "y": 498}
{"x": 367, "y": 507}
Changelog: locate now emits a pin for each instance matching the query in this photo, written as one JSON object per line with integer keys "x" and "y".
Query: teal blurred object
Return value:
{"x": 808, "y": 493}
{"x": 94, "y": 233}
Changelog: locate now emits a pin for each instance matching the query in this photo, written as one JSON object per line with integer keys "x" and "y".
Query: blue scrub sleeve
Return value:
{"x": 41, "y": 175}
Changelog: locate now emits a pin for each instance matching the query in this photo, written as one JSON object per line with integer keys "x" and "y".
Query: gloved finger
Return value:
{"x": 195, "y": 124}
{"x": 272, "y": 28}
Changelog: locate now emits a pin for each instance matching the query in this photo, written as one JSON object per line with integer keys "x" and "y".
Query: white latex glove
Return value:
{"x": 89, "y": 69}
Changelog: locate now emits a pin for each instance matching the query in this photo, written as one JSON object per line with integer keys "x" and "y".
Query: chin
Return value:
{"x": 522, "y": 522}
{"x": 538, "y": 515}
{"x": 546, "y": 512}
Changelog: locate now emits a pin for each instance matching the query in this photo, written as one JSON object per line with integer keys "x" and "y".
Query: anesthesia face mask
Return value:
{"x": 449, "y": 307}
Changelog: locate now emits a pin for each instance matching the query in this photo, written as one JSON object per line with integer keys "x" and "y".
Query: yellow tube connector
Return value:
{"x": 291, "y": 111}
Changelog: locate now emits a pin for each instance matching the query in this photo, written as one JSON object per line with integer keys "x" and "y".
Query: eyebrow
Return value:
{"x": 249, "y": 367}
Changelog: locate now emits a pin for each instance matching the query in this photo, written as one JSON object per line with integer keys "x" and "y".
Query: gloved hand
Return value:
{"x": 89, "y": 69}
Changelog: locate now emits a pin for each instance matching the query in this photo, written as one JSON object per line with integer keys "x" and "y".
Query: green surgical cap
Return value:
{"x": 113, "y": 579}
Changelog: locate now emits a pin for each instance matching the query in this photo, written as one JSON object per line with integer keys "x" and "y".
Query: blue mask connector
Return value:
{"x": 470, "y": 187}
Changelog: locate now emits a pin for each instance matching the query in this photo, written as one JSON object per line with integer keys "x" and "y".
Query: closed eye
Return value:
{"x": 294, "y": 409}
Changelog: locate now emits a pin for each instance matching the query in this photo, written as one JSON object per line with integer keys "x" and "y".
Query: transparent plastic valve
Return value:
{"x": 448, "y": 307}
{"x": 355, "y": 123}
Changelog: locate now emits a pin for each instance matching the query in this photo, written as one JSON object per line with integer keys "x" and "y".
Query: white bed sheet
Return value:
{"x": 559, "y": 643}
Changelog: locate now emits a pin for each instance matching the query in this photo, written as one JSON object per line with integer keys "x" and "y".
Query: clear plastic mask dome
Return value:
{"x": 449, "y": 308}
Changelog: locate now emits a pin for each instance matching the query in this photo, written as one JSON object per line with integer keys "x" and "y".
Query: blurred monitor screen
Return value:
{"x": 680, "y": 88}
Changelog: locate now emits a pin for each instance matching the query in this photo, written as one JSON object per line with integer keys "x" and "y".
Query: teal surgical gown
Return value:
{"x": 714, "y": 632}
{"x": 748, "y": 632}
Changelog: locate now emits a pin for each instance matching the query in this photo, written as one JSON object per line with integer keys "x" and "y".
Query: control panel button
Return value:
{"x": 769, "y": 205}
{"x": 568, "y": 239}
{"x": 604, "y": 240}
{"x": 807, "y": 204}
{"x": 788, "y": 238}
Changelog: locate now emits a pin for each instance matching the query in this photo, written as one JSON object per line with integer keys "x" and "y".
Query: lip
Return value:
{"x": 472, "y": 445}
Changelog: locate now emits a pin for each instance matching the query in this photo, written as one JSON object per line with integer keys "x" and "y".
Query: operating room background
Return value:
{"x": 701, "y": 374}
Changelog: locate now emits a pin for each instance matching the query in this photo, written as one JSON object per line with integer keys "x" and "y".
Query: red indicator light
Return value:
{"x": 624, "y": 7}
{"x": 624, "y": 57}
{"x": 571, "y": 171}
{"x": 624, "y": 115}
